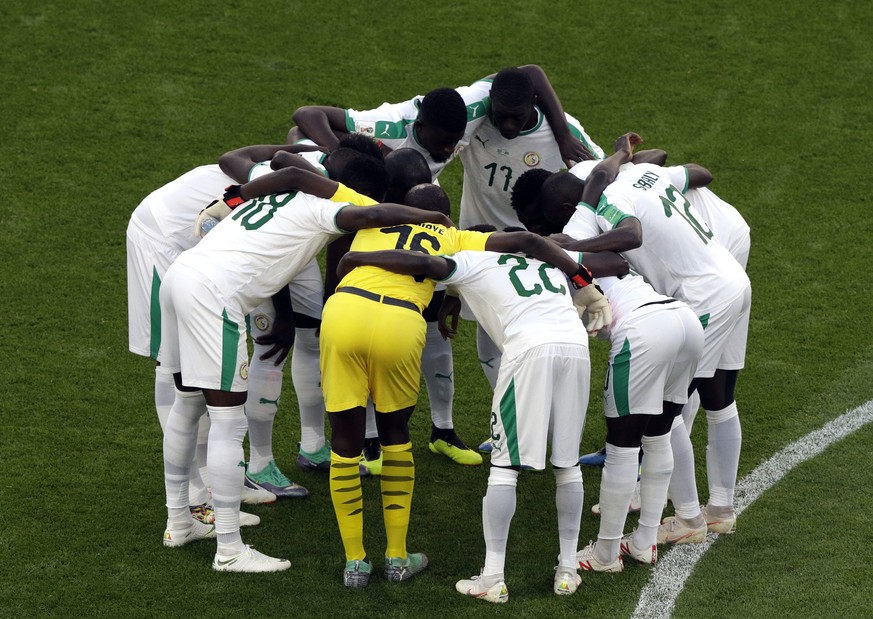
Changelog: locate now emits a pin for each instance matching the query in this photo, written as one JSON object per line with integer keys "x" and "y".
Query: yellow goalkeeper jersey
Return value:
{"x": 430, "y": 239}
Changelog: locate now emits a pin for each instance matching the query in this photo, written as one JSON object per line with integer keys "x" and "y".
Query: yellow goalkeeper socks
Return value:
{"x": 398, "y": 479}
{"x": 348, "y": 504}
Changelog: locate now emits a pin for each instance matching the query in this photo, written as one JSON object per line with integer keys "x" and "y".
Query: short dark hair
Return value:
{"x": 444, "y": 108}
{"x": 365, "y": 175}
{"x": 527, "y": 188}
{"x": 514, "y": 229}
{"x": 512, "y": 87}
{"x": 362, "y": 144}
{"x": 482, "y": 228}
{"x": 429, "y": 197}
{"x": 406, "y": 168}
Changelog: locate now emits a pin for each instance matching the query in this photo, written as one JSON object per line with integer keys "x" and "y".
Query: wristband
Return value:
{"x": 233, "y": 196}
{"x": 582, "y": 277}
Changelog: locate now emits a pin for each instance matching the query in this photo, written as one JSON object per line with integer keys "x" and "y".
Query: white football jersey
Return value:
{"x": 493, "y": 163}
{"x": 393, "y": 123}
{"x": 625, "y": 294}
{"x": 680, "y": 256}
{"x": 724, "y": 220}
{"x": 170, "y": 211}
{"x": 519, "y": 301}
{"x": 263, "y": 245}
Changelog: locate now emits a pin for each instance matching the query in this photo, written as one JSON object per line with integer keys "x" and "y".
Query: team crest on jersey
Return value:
{"x": 532, "y": 159}
{"x": 244, "y": 370}
{"x": 366, "y": 127}
{"x": 262, "y": 322}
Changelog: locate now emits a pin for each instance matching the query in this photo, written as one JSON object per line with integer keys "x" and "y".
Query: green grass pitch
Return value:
{"x": 102, "y": 103}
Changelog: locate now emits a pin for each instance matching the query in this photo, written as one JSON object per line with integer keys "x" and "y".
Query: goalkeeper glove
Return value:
{"x": 219, "y": 208}
{"x": 590, "y": 299}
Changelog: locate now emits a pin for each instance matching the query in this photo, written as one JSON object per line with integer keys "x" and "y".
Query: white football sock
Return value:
{"x": 265, "y": 388}
{"x": 180, "y": 438}
{"x": 498, "y": 508}
{"x": 616, "y": 491}
{"x": 226, "y": 471}
{"x": 569, "y": 495}
{"x": 657, "y": 469}
{"x": 200, "y": 454}
{"x": 723, "y": 454}
{"x": 683, "y": 483}
{"x": 436, "y": 368}
{"x": 306, "y": 376}
{"x": 489, "y": 355}
{"x": 165, "y": 394}
{"x": 689, "y": 410}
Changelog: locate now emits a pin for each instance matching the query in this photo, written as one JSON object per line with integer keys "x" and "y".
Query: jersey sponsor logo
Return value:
{"x": 366, "y": 127}
{"x": 532, "y": 159}
{"x": 244, "y": 370}
{"x": 502, "y": 151}
{"x": 262, "y": 322}
{"x": 481, "y": 140}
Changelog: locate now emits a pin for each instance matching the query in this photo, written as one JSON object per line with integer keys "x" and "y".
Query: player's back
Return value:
{"x": 431, "y": 239}
{"x": 250, "y": 255}
{"x": 724, "y": 220}
{"x": 680, "y": 255}
{"x": 520, "y": 301}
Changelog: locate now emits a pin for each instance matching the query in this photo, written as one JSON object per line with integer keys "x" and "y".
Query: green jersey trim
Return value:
{"x": 588, "y": 206}
{"x": 336, "y": 220}
{"x": 537, "y": 124}
{"x": 621, "y": 379}
{"x": 155, "y": 315}
{"x": 229, "y": 341}
{"x": 610, "y": 212}
{"x": 510, "y": 425}
{"x": 454, "y": 266}
{"x": 687, "y": 179}
{"x": 350, "y": 123}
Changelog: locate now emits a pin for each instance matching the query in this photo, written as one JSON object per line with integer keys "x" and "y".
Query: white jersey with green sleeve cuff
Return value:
{"x": 680, "y": 256}
{"x": 519, "y": 301}
{"x": 493, "y": 163}
{"x": 394, "y": 123}
{"x": 263, "y": 245}
{"x": 723, "y": 219}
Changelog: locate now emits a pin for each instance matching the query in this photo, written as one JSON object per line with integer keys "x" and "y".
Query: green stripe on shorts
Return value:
{"x": 155, "y": 315}
{"x": 508, "y": 417}
{"x": 621, "y": 379}
{"x": 229, "y": 341}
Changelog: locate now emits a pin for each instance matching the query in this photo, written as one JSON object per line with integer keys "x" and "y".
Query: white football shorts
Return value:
{"x": 203, "y": 334}
{"x": 653, "y": 358}
{"x": 541, "y": 395}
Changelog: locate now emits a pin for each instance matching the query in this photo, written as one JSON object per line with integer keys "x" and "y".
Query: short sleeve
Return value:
{"x": 469, "y": 240}
{"x": 583, "y": 223}
{"x": 612, "y": 210}
{"x": 387, "y": 123}
{"x": 678, "y": 176}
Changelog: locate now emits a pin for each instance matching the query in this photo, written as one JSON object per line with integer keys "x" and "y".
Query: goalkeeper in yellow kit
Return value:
{"x": 378, "y": 356}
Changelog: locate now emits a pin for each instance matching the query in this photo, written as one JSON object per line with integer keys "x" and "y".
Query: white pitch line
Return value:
{"x": 672, "y": 570}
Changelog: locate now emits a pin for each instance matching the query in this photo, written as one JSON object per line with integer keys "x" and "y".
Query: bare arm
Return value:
{"x": 318, "y": 123}
{"x": 534, "y": 245}
{"x": 627, "y": 235}
{"x": 401, "y": 261}
{"x": 355, "y": 218}
{"x": 572, "y": 149}
{"x": 652, "y": 155}
{"x": 238, "y": 163}
{"x": 605, "y": 263}
{"x": 698, "y": 176}
{"x": 333, "y": 255}
{"x": 605, "y": 172}
{"x": 296, "y": 177}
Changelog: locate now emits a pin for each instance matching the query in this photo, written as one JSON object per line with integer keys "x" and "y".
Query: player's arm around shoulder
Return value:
{"x": 401, "y": 261}
{"x": 388, "y": 214}
{"x": 319, "y": 122}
